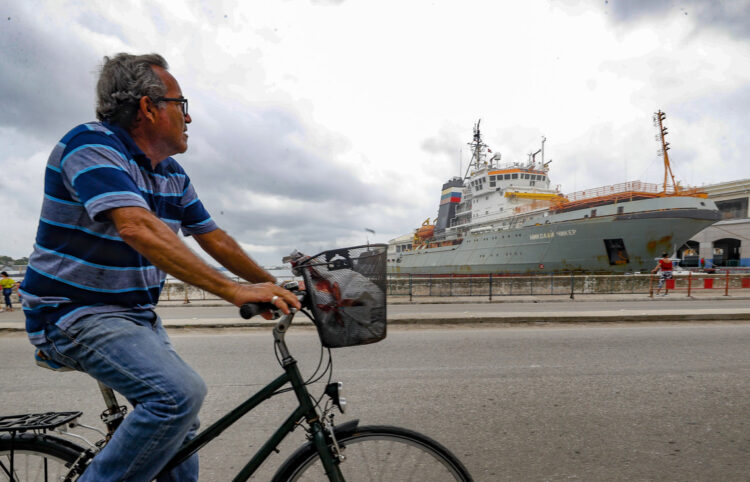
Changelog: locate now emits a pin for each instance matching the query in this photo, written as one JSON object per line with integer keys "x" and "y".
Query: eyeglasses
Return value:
{"x": 181, "y": 100}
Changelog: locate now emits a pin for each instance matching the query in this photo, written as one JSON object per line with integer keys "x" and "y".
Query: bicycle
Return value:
{"x": 345, "y": 299}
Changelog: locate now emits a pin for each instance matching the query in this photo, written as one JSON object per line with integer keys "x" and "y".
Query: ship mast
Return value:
{"x": 477, "y": 150}
{"x": 659, "y": 123}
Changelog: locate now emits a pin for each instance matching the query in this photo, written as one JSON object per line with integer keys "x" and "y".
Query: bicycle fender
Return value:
{"x": 346, "y": 428}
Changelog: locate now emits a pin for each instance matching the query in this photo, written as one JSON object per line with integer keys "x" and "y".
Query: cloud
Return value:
{"x": 268, "y": 180}
{"x": 268, "y": 176}
{"x": 729, "y": 17}
{"x": 312, "y": 122}
{"x": 448, "y": 146}
{"x": 707, "y": 147}
{"x": 42, "y": 82}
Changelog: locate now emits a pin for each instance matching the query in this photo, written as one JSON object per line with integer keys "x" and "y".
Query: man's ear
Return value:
{"x": 146, "y": 109}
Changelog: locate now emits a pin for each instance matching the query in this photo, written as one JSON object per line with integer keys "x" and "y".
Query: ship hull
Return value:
{"x": 570, "y": 242}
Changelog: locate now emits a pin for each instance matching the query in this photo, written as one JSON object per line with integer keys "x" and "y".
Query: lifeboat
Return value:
{"x": 426, "y": 231}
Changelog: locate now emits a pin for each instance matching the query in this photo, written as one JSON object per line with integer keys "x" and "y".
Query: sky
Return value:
{"x": 313, "y": 121}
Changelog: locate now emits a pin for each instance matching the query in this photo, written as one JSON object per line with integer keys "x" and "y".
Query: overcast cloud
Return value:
{"x": 315, "y": 120}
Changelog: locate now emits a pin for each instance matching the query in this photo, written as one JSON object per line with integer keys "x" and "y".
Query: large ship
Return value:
{"x": 508, "y": 219}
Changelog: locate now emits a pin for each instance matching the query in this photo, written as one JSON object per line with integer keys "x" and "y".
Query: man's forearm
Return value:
{"x": 148, "y": 235}
{"x": 224, "y": 249}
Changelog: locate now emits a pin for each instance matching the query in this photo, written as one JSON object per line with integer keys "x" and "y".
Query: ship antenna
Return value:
{"x": 477, "y": 148}
{"x": 659, "y": 123}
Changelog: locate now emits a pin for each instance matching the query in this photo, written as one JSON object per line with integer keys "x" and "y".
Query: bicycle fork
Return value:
{"x": 328, "y": 456}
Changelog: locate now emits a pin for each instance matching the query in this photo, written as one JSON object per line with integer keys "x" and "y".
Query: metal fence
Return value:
{"x": 490, "y": 286}
{"x": 175, "y": 290}
{"x": 686, "y": 283}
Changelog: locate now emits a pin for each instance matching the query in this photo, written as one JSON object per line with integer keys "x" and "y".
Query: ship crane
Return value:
{"x": 661, "y": 136}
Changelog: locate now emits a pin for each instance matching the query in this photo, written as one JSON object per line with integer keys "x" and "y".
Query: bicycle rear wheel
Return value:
{"x": 36, "y": 458}
{"x": 379, "y": 453}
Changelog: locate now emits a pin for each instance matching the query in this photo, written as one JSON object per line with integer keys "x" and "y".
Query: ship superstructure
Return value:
{"x": 507, "y": 218}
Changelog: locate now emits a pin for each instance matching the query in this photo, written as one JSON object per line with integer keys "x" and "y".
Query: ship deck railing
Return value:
{"x": 626, "y": 191}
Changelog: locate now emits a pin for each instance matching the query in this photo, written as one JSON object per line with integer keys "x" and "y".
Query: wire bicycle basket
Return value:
{"x": 347, "y": 290}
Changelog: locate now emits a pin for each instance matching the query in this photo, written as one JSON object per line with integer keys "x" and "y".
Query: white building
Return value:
{"x": 727, "y": 242}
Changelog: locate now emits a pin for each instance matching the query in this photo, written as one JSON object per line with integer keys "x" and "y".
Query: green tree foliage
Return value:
{"x": 8, "y": 260}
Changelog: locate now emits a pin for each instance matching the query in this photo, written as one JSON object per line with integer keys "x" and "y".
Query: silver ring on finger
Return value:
{"x": 273, "y": 299}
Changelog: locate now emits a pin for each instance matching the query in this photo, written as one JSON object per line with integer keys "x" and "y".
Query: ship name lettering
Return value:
{"x": 567, "y": 232}
{"x": 549, "y": 235}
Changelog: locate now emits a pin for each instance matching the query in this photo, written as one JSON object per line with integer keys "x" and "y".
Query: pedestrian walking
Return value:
{"x": 664, "y": 267}
{"x": 7, "y": 283}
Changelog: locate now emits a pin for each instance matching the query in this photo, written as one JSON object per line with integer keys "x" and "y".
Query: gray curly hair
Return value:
{"x": 123, "y": 80}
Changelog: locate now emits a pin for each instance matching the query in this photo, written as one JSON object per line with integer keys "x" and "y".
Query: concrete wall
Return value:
{"x": 737, "y": 228}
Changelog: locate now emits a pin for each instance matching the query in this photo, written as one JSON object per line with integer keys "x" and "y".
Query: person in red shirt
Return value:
{"x": 664, "y": 267}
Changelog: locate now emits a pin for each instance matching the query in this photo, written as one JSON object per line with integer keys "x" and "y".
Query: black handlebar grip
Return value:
{"x": 248, "y": 310}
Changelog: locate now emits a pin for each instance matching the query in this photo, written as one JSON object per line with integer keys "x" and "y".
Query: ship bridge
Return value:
{"x": 497, "y": 193}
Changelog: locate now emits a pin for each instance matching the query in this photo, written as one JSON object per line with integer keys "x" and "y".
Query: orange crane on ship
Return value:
{"x": 659, "y": 124}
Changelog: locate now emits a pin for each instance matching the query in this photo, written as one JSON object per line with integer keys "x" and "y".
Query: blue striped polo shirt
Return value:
{"x": 80, "y": 265}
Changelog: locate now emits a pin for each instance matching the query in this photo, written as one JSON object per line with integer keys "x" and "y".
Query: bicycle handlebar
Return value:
{"x": 248, "y": 310}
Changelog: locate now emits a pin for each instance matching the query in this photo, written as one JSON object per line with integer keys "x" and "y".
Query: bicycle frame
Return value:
{"x": 305, "y": 410}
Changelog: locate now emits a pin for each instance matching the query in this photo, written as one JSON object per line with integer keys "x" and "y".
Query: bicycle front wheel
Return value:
{"x": 379, "y": 453}
{"x": 37, "y": 458}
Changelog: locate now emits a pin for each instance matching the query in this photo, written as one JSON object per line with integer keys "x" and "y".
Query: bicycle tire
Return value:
{"x": 36, "y": 457}
{"x": 378, "y": 452}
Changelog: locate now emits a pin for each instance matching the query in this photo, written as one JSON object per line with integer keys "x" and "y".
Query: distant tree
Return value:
{"x": 7, "y": 260}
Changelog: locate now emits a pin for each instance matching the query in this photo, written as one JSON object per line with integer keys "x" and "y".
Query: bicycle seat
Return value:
{"x": 44, "y": 362}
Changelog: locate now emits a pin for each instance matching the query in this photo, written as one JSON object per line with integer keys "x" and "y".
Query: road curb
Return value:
{"x": 464, "y": 319}
{"x": 583, "y": 318}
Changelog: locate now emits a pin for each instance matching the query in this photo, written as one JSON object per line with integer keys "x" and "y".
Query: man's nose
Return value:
{"x": 188, "y": 119}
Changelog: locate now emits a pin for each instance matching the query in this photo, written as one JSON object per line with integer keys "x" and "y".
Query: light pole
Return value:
{"x": 368, "y": 230}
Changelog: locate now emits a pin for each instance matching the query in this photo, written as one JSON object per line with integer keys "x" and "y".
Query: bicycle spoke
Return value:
{"x": 382, "y": 454}
{"x": 6, "y": 470}
{"x": 31, "y": 467}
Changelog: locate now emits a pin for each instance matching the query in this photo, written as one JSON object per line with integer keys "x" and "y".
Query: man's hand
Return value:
{"x": 265, "y": 293}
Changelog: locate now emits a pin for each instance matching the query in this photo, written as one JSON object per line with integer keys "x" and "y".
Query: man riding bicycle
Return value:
{"x": 114, "y": 200}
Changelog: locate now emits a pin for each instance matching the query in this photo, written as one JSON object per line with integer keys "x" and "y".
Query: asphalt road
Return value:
{"x": 619, "y": 402}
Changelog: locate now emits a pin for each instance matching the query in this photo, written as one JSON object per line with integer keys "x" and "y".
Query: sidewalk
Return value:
{"x": 703, "y": 295}
{"x": 216, "y": 314}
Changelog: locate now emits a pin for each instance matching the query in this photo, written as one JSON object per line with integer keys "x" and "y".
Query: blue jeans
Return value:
{"x": 131, "y": 353}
